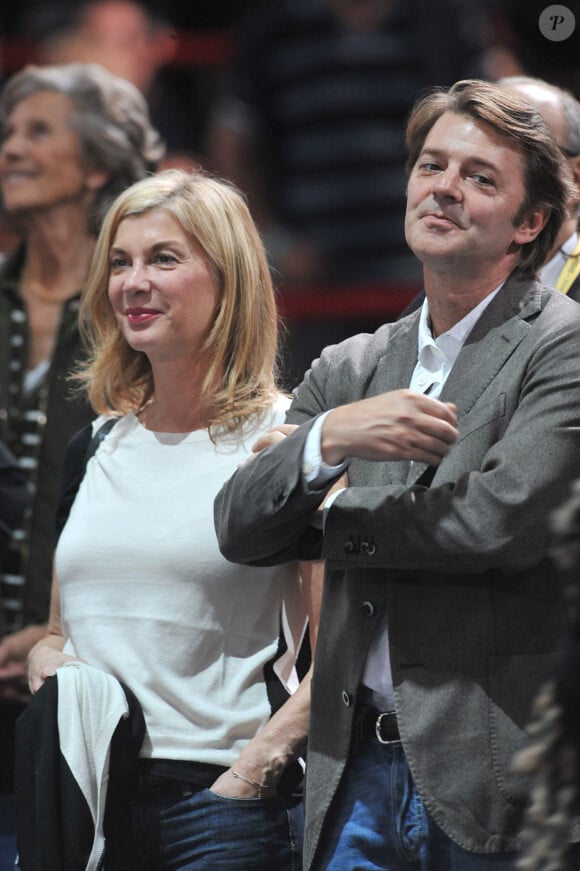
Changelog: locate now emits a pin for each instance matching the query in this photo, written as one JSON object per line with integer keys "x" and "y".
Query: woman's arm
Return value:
{"x": 284, "y": 737}
{"x": 46, "y": 655}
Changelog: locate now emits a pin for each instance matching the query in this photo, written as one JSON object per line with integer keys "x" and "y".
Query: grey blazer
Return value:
{"x": 460, "y": 567}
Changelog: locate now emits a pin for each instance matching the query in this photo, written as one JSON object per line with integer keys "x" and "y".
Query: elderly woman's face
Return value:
{"x": 41, "y": 162}
{"x": 161, "y": 287}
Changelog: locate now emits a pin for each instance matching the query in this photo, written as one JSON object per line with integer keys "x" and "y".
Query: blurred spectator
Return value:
{"x": 552, "y": 758}
{"x": 311, "y": 125}
{"x": 132, "y": 40}
{"x": 562, "y": 112}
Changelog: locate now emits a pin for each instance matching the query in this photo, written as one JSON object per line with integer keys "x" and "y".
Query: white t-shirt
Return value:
{"x": 147, "y": 596}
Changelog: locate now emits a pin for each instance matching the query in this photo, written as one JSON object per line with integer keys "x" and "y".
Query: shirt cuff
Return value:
{"x": 316, "y": 472}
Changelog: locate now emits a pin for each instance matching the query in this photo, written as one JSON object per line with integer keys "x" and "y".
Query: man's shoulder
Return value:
{"x": 543, "y": 309}
{"x": 348, "y": 371}
{"x": 557, "y": 311}
{"x": 363, "y": 351}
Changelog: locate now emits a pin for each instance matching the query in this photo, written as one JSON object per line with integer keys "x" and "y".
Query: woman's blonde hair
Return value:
{"x": 242, "y": 343}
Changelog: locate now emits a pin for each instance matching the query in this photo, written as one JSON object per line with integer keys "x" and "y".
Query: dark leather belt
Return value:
{"x": 381, "y": 725}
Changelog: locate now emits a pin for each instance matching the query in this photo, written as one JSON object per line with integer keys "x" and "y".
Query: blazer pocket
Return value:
{"x": 482, "y": 415}
{"x": 514, "y": 682}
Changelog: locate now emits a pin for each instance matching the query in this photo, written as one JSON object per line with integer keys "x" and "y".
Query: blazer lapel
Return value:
{"x": 491, "y": 342}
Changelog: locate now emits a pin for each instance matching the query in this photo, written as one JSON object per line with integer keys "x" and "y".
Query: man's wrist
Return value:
{"x": 332, "y": 453}
{"x": 317, "y": 473}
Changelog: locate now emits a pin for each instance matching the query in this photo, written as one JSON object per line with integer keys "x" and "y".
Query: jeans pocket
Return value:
{"x": 213, "y": 831}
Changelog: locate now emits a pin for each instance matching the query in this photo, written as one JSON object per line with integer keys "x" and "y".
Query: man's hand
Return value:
{"x": 400, "y": 425}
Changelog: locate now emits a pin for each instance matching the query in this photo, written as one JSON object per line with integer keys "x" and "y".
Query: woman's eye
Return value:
{"x": 117, "y": 262}
{"x": 164, "y": 258}
{"x": 39, "y": 128}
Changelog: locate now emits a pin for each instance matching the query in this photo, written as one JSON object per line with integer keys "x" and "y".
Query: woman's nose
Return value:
{"x": 137, "y": 278}
{"x": 11, "y": 144}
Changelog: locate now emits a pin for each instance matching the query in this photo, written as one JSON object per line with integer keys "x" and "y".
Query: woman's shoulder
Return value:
{"x": 261, "y": 421}
{"x": 274, "y": 415}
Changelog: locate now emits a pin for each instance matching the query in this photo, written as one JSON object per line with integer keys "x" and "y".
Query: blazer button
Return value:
{"x": 346, "y": 698}
{"x": 367, "y": 609}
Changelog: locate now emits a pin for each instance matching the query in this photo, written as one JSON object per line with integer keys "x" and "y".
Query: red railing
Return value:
{"x": 203, "y": 49}
{"x": 314, "y": 301}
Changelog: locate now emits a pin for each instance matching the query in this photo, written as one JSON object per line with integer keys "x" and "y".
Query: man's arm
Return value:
{"x": 263, "y": 515}
{"x": 488, "y": 513}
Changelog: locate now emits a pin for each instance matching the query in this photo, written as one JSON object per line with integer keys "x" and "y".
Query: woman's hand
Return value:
{"x": 44, "y": 659}
{"x": 275, "y": 435}
{"x": 268, "y": 439}
{"x": 14, "y": 649}
{"x": 245, "y": 780}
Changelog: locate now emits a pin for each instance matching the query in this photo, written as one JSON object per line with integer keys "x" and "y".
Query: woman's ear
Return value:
{"x": 95, "y": 179}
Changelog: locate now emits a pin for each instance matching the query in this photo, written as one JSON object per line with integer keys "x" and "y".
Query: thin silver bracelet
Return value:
{"x": 257, "y": 786}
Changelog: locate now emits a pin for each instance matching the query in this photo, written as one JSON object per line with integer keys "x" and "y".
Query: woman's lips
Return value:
{"x": 141, "y": 315}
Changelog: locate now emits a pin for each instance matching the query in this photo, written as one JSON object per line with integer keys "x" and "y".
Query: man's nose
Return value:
{"x": 447, "y": 184}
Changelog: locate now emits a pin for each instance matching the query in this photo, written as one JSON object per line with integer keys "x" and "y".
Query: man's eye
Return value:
{"x": 482, "y": 179}
{"x": 429, "y": 166}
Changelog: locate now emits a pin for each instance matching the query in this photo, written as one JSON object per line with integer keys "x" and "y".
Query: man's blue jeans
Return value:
{"x": 379, "y": 823}
{"x": 177, "y": 831}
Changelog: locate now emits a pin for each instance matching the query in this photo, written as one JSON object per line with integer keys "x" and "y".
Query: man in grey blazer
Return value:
{"x": 440, "y": 613}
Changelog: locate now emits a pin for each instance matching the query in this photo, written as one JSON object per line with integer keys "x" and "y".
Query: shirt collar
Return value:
{"x": 450, "y": 343}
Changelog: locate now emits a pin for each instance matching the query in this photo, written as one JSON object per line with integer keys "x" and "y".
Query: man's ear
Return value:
{"x": 531, "y": 226}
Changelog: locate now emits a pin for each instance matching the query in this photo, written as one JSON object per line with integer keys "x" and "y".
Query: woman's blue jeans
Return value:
{"x": 177, "y": 829}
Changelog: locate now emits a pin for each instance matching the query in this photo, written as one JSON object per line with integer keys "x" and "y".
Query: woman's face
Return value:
{"x": 161, "y": 287}
{"x": 41, "y": 163}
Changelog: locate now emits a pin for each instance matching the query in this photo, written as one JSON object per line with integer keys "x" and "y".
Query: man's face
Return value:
{"x": 463, "y": 195}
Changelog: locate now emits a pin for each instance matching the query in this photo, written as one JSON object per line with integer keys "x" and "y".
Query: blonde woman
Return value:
{"x": 181, "y": 320}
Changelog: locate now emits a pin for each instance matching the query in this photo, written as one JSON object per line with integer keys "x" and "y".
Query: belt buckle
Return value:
{"x": 378, "y": 727}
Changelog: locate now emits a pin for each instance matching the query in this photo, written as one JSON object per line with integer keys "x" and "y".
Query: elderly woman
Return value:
{"x": 181, "y": 320}
{"x": 73, "y": 137}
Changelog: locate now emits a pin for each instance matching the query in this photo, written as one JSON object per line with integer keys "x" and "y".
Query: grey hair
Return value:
{"x": 569, "y": 104}
{"x": 110, "y": 117}
{"x": 571, "y": 109}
